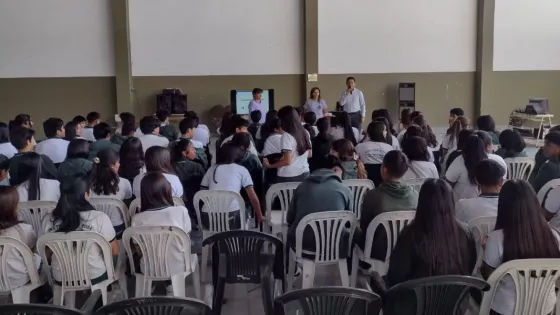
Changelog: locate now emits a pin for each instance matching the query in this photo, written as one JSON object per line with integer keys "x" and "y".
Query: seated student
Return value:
{"x": 255, "y": 124}
{"x": 189, "y": 172}
{"x": 521, "y": 233}
{"x": 240, "y": 124}
{"x": 390, "y": 138}
{"x": 310, "y": 119}
{"x": 80, "y": 120}
{"x": 158, "y": 159}
{"x": 11, "y": 226}
{"x": 76, "y": 164}
{"x": 72, "y": 130}
{"x": 461, "y": 173}
{"x": 226, "y": 174}
{"x": 372, "y": 150}
{"x": 321, "y": 145}
{"x": 461, "y": 142}
{"x": 150, "y": 137}
{"x": 269, "y": 135}
{"x": 427, "y": 133}
{"x": 540, "y": 158}
{"x": 4, "y": 167}
{"x": 383, "y": 113}
{"x": 167, "y": 130}
{"x": 30, "y": 185}
{"x": 433, "y": 244}
{"x": 131, "y": 159}
{"x": 344, "y": 152}
{"x": 449, "y": 143}
{"x": 342, "y": 129}
{"x": 188, "y": 128}
{"x": 225, "y": 130}
{"x": 102, "y": 134}
{"x": 420, "y": 166}
{"x": 73, "y": 212}
{"x": 489, "y": 176}
{"x": 22, "y": 139}
{"x": 391, "y": 195}
{"x": 93, "y": 119}
{"x": 404, "y": 124}
{"x": 248, "y": 160}
{"x": 551, "y": 168}
{"x": 6, "y": 147}
{"x": 127, "y": 131}
{"x": 512, "y": 144}
{"x": 416, "y": 131}
{"x": 21, "y": 121}
{"x": 54, "y": 146}
{"x": 201, "y": 132}
{"x": 486, "y": 123}
{"x": 126, "y": 119}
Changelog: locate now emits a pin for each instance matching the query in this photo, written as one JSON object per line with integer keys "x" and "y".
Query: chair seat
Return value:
{"x": 276, "y": 217}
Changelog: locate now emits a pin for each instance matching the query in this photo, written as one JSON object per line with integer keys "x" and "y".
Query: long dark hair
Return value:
{"x": 105, "y": 179}
{"x": 289, "y": 121}
{"x": 178, "y": 149}
{"x": 72, "y": 201}
{"x": 375, "y": 131}
{"x": 155, "y": 191}
{"x": 70, "y": 130}
{"x": 29, "y": 170}
{"x": 383, "y": 113}
{"x": 405, "y": 117}
{"x": 421, "y": 122}
{"x": 389, "y": 137}
{"x": 459, "y": 124}
{"x": 345, "y": 150}
{"x": 77, "y": 149}
{"x": 526, "y": 233}
{"x": 437, "y": 232}
{"x": 9, "y": 199}
{"x": 310, "y": 119}
{"x": 131, "y": 157}
{"x": 323, "y": 125}
{"x": 486, "y": 123}
{"x": 225, "y": 127}
{"x": 512, "y": 142}
{"x": 4, "y": 133}
{"x": 473, "y": 153}
{"x": 158, "y": 159}
{"x": 313, "y": 90}
{"x": 343, "y": 121}
{"x": 415, "y": 149}
{"x": 270, "y": 124}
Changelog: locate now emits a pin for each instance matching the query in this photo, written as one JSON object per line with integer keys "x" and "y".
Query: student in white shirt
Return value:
{"x": 342, "y": 129}
{"x": 240, "y": 124}
{"x": 272, "y": 138}
{"x": 29, "y": 183}
{"x": 374, "y": 148}
{"x": 73, "y": 212}
{"x": 108, "y": 184}
{"x": 271, "y": 125}
{"x": 226, "y": 174}
{"x": 450, "y": 140}
{"x": 296, "y": 148}
{"x": 11, "y": 226}
{"x": 131, "y": 159}
{"x": 55, "y": 146}
{"x": 521, "y": 233}
{"x": 489, "y": 176}
{"x": 158, "y": 159}
{"x": 93, "y": 119}
{"x": 150, "y": 137}
{"x": 420, "y": 166}
{"x": 416, "y": 131}
{"x": 461, "y": 173}
{"x": 6, "y": 147}
{"x": 201, "y": 132}
{"x": 404, "y": 124}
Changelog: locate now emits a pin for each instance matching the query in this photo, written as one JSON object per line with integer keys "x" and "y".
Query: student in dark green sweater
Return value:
{"x": 390, "y": 196}
{"x": 76, "y": 165}
{"x": 189, "y": 172}
{"x": 512, "y": 144}
{"x": 486, "y": 123}
{"x": 166, "y": 129}
{"x": 102, "y": 134}
{"x": 187, "y": 127}
{"x": 127, "y": 130}
{"x": 551, "y": 168}
{"x": 540, "y": 158}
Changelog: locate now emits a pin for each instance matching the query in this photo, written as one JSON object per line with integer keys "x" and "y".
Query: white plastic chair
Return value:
{"x": 71, "y": 251}
{"x": 9, "y": 247}
{"x": 217, "y": 205}
{"x": 480, "y": 227}
{"x": 33, "y": 212}
{"x": 109, "y": 205}
{"x": 359, "y": 189}
{"x": 328, "y": 228}
{"x": 541, "y": 195}
{"x": 177, "y": 201}
{"x": 520, "y": 167}
{"x": 534, "y": 279}
{"x": 136, "y": 204}
{"x": 276, "y": 218}
{"x": 415, "y": 183}
{"x": 154, "y": 243}
{"x": 393, "y": 223}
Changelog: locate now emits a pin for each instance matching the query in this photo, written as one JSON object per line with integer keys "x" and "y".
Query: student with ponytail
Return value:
{"x": 343, "y": 129}
{"x": 450, "y": 140}
{"x": 30, "y": 185}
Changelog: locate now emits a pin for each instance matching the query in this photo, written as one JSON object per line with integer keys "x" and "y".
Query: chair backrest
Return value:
{"x": 109, "y": 205}
{"x": 440, "y": 295}
{"x": 330, "y": 301}
{"x": 8, "y": 248}
{"x": 284, "y": 192}
{"x": 178, "y": 202}
{"x": 543, "y": 192}
{"x": 393, "y": 222}
{"x": 415, "y": 183}
{"x": 160, "y": 305}
{"x": 154, "y": 243}
{"x": 359, "y": 189}
{"x": 242, "y": 250}
{"x": 33, "y": 212}
{"x": 480, "y": 227}
{"x": 136, "y": 204}
{"x": 37, "y": 309}
{"x": 71, "y": 251}
{"x": 520, "y": 167}
{"x": 327, "y": 228}
{"x": 534, "y": 280}
{"x": 217, "y": 205}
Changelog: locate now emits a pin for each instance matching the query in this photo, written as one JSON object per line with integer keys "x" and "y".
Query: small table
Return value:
{"x": 534, "y": 118}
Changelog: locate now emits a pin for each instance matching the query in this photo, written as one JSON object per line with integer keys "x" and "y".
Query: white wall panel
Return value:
{"x": 216, "y": 37}
{"x": 56, "y": 38}
{"x": 397, "y": 36}
{"x": 527, "y": 35}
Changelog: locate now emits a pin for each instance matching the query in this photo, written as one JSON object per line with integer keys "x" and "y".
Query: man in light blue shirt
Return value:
{"x": 353, "y": 102}
{"x": 256, "y": 104}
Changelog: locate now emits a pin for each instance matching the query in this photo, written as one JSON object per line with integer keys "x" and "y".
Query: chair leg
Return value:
{"x": 308, "y": 274}
{"x": 196, "y": 283}
{"x": 204, "y": 262}
{"x": 70, "y": 299}
{"x": 218, "y": 296}
{"x": 291, "y": 270}
{"x": 178, "y": 283}
{"x": 58, "y": 297}
{"x": 20, "y": 295}
{"x": 355, "y": 263}
{"x": 343, "y": 268}
{"x": 267, "y": 291}
{"x": 103, "y": 290}
{"x": 139, "y": 286}
{"x": 123, "y": 285}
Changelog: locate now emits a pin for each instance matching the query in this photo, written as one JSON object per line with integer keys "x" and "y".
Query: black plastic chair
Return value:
{"x": 37, "y": 309}
{"x": 156, "y": 306}
{"x": 329, "y": 301}
{"x": 441, "y": 295}
{"x": 245, "y": 262}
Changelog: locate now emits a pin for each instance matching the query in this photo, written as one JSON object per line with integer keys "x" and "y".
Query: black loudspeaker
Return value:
{"x": 173, "y": 101}
{"x": 407, "y": 96}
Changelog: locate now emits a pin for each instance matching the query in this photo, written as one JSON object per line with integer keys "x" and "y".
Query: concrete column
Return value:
{"x": 123, "y": 66}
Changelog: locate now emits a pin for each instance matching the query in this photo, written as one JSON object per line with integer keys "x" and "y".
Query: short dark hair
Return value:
{"x": 19, "y": 136}
{"x": 162, "y": 114}
{"x": 228, "y": 154}
{"x": 148, "y": 124}
{"x": 489, "y": 173}
{"x": 310, "y": 118}
{"x": 256, "y": 116}
{"x": 257, "y": 91}
{"x": 127, "y": 128}
{"x": 193, "y": 115}
{"x": 127, "y": 118}
{"x": 101, "y": 131}
{"x": 79, "y": 119}
{"x": 4, "y": 133}
{"x": 396, "y": 163}
{"x": 242, "y": 139}
{"x": 457, "y": 112}
{"x": 238, "y": 122}
{"x": 77, "y": 148}
{"x": 51, "y": 126}
{"x": 553, "y": 137}
{"x": 155, "y": 192}
{"x": 93, "y": 116}
{"x": 486, "y": 123}
{"x": 350, "y": 78}
{"x": 186, "y": 124}
{"x": 512, "y": 142}
{"x": 416, "y": 149}
{"x": 70, "y": 130}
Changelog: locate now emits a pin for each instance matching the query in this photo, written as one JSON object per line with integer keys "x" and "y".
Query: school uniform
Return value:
{"x": 190, "y": 174}
{"x": 484, "y": 205}
{"x": 90, "y": 221}
{"x": 395, "y": 143}
{"x": 167, "y": 216}
{"x": 123, "y": 193}
{"x": 505, "y": 296}
{"x": 87, "y": 133}
{"x": 510, "y": 154}
{"x": 316, "y": 107}
{"x": 18, "y": 275}
{"x": 54, "y": 148}
{"x": 371, "y": 152}
{"x": 176, "y": 186}
{"x": 338, "y": 133}
{"x": 118, "y": 139}
{"x": 202, "y": 134}
{"x": 256, "y": 105}
{"x": 100, "y": 145}
{"x": 201, "y": 156}
{"x": 421, "y": 170}
{"x": 48, "y": 169}
{"x": 49, "y": 190}
{"x": 298, "y": 169}
{"x": 449, "y": 145}
{"x": 171, "y": 132}
{"x": 74, "y": 168}
{"x": 458, "y": 175}
{"x": 552, "y": 205}
{"x": 273, "y": 144}
{"x": 400, "y": 135}
{"x": 151, "y": 140}
{"x": 252, "y": 148}
{"x": 7, "y": 150}
{"x": 549, "y": 170}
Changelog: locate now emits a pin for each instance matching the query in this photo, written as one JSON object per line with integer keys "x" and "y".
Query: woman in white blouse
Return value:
{"x": 420, "y": 167}
{"x": 158, "y": 159}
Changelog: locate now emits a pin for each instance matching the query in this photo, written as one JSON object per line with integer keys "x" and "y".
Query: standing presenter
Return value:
{"x": 352, "y": 101}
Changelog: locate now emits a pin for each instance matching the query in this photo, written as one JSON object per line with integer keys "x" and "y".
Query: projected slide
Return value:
{"x": 240, "y": 100}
